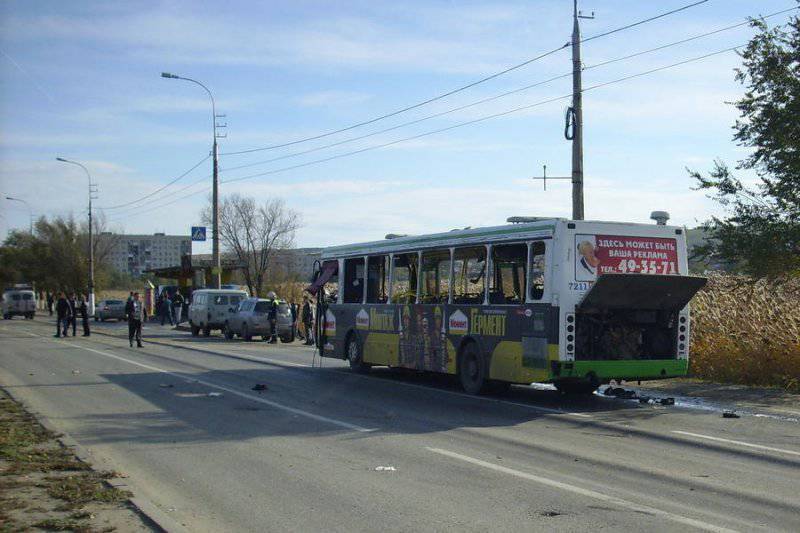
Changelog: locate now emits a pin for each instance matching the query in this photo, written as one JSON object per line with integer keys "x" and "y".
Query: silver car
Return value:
{"x": 252, "y": 320}
{"x": 108, "y": 309}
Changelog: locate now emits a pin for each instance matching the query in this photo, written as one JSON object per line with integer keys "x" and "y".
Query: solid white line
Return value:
{"x": 738, "y": 442}
{"x": 699, "y": 524}
{"x": 235, "y": 392}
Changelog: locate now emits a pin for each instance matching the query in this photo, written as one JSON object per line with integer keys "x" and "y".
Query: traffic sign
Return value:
{"x": 198, "y": 233}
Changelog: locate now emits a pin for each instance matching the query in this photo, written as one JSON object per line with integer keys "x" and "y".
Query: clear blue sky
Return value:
{"x": 82, "y": 80}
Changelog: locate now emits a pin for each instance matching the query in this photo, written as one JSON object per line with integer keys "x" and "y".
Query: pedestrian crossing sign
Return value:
{"x": 198, "y": 233}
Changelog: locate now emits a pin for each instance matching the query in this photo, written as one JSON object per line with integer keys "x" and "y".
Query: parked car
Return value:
{"x": 212, "y": 309}
{"x": 19, "y": 302}
{"x": 108, "y": 309}
{"x": 251, "y": 320}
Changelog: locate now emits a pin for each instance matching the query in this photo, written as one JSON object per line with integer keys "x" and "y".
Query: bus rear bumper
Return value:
{"x": 631, "y": 370}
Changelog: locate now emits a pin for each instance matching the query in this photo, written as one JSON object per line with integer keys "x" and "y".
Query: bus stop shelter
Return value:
{"x": 196, "y": 272}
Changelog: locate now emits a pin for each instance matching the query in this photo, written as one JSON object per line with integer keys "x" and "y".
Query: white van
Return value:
{"x": 212, "y": 308}
{"x": 19, "y": 302}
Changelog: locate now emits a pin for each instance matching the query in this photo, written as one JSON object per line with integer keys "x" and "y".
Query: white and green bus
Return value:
{"x": 573, "y": 303}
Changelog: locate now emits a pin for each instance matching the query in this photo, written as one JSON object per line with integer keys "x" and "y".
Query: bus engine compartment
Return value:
{"x": 626, "y": 334}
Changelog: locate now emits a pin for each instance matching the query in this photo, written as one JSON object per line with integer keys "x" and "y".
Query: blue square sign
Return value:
{"x": 198, "y": 233}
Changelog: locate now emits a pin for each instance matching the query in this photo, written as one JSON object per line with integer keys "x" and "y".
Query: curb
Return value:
{"x": 151, "y": 514}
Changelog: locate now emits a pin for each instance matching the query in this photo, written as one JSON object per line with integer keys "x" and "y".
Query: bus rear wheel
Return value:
{"x": 355, "y": 355}
{"x": 471, "y": 370}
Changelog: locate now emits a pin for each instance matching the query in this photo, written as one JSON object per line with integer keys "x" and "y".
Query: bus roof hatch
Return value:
{"x": 641, "y": 291}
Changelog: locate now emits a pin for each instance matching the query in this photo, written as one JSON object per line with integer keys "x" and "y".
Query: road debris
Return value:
{"x": 214, "y": 394}
{"x": 259, "y": 387}
{"x": 166, "y": 385}
{"x": 729, "y": 414}
{"x": 385, "y": 469}
{"x": 76, "y": 371}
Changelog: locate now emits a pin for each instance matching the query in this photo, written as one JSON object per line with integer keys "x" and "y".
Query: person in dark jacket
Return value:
{"x": 272, "y": 316}
{"x": 177, "y": 306}
{"x": 73, "y": 310}
{"x": 136, "y": 314}
{"x": 83, "y": 309}
{"x": 62, "y": 315}
{"x": 307, "y": 316}
{"x": 50, "y": 301}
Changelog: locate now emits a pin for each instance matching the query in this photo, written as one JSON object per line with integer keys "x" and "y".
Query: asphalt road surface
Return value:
{"x": 323, "y": 449}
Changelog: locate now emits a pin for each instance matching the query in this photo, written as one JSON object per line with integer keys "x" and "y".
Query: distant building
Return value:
{"x": 136, "y": 253}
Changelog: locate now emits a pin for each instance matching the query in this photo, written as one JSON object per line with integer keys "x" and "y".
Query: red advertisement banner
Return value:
{"x": 615, "y": 254}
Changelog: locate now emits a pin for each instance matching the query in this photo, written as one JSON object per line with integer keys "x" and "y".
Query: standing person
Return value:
{"x": 293, "y": 308}
{"x": 73, "y": 309}
{"x": 307, "y": 316}
{"x": 272, "y": 315}
{"x": 50, "y": 303}
{"x": 166, "y": 308}
{"x": 136, "y": 315}
{"x": 62, "y": 315}
{"x": 177, "y": 305}
{"x": 83, "y": 309}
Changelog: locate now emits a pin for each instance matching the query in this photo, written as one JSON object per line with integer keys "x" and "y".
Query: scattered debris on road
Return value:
{"x": 259, "y": 387}
{"x": 214, "y": 394}
{"x": 729, "y": 414}
{"x": 385, "y": 469}
{"x": 166, "y": 385}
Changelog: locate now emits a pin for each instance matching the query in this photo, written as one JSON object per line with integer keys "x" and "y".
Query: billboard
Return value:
{"x": 616, "y": 254}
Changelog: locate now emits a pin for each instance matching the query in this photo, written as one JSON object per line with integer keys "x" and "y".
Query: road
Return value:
{"x": 325, "y": 449}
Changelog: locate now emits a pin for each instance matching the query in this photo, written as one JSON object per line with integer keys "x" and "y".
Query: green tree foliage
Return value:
{"x": 54, "y": 256}
{"x": 760, "y": 235}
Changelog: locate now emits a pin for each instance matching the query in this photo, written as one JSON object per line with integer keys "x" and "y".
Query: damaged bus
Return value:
{"x": 573, "y": 303}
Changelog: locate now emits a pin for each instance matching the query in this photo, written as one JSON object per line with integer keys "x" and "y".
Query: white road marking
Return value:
{"x": 699, "y": 524}
{"x": 235, "y": 392}
{"x": 412, "y": 385}
{"x": 737, "y": 442}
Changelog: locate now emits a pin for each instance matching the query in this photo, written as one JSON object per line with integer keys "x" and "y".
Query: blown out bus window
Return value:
{"x": 435, "y": 277}
{"x": 378, "y": 279}
{"x": 537, "y": 270}
{"x": 469, "y": 275}
{"x": 509, "y": 265}
{"x": 354, "y": 280}
{"x": 404, "y": 279}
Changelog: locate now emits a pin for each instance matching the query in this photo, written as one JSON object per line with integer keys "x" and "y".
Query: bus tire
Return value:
{"x": 354, "y": 353}
{"x": 472, "y": 370}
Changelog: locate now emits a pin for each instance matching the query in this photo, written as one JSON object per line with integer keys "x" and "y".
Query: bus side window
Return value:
{"x": 469, "y": 275}
{"x": 404, "y": 284}
{"x": 509, "y": 263}
{"x": 537, "y": 270}
{"x": 354, "y": 280}
{"x": 435, "y": 277}
{"x": 378, "y": 280}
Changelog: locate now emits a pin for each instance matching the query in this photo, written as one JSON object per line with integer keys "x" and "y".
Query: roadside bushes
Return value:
{"x": 747, "y": 331}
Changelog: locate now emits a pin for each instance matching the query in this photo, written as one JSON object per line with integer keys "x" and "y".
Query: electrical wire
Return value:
{"x": 464, "y": 87}
{"x": 127, "y": 212}
{"x": 498, "y": 96}
{"x": 478, "y": 120}
{"x": 157, "y": 190}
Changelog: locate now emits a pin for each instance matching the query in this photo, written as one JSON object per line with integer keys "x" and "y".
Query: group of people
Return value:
{"x": 67, "y": 309}
{"x": 169, "y": 307}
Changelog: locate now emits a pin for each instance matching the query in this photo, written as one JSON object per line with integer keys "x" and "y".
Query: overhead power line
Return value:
{"x": 465, "y": 87}
{"x": 157, "y": 190}
{"x": 475, "y": 121}
{"x": 130, "y": 210}
{"x": 498, "y": 96}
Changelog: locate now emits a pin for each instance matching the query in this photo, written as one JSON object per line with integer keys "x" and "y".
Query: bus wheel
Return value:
{"x": 577, "y": 387}
{"x": 471, "y": 370}
{"x": 354, "y": 355}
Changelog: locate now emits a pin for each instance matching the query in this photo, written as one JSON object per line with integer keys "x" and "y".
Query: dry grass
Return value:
{"x": 747, "y": 332}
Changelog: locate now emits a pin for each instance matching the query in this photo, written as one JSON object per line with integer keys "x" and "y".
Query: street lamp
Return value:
{"x": 30, "y": 211}
{"x": 91, "y": 235}
{"x": 217, "y": 268}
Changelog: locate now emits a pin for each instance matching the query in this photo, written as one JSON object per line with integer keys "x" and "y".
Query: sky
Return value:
{"x": 81, "y": 80}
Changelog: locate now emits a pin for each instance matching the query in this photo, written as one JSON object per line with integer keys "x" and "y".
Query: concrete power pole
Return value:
{"x": 577, "y": 119}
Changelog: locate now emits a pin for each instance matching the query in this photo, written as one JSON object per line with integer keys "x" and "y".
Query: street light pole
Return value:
{"x": 30, "y": 211}
{"x": 217, "y": 268}
{"x": 91, "y": 235}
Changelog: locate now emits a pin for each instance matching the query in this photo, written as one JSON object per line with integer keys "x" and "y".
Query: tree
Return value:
{"x": 252, "y": 233}
{"x": 761, "y": 233}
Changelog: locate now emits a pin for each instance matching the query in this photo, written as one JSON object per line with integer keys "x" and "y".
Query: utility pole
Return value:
{"x": 215, "y": 257}
{"x": 577, "y": 119}
{"x": 92, "y": 191}
{"x": 573, "y": 130}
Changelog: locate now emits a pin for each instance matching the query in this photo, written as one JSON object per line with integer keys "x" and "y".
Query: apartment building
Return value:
{"x": 136, "y": 253}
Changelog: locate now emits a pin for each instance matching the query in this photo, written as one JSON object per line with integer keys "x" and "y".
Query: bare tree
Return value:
{"x": 252, "y": 232}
